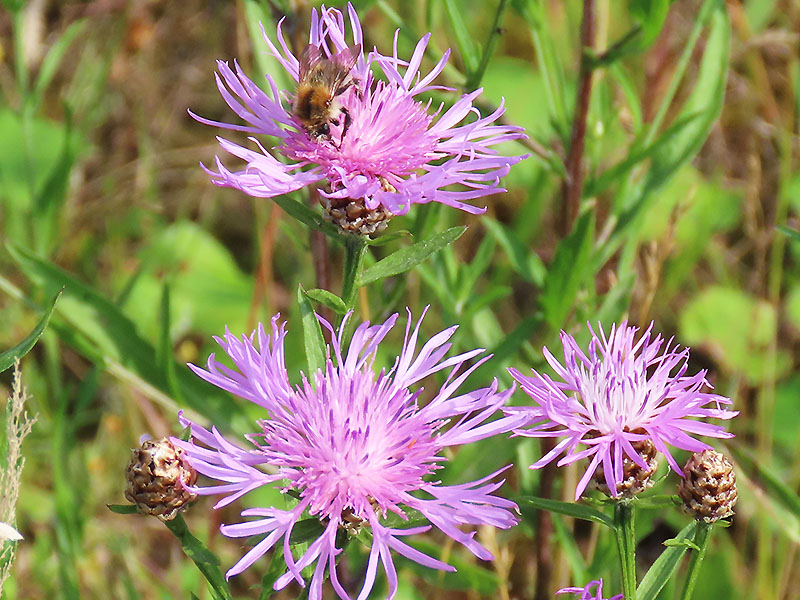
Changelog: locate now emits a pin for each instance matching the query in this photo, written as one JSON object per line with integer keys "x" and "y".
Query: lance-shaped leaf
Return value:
{"x": 570, "y": 509}
{"x": 666, "y": 564}
{"x": 407, "y": 258}
{"x": 313, "y": 341}
{"x": 10, "y": 356}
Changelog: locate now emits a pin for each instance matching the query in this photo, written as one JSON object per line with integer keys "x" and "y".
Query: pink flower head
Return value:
{"x": 393, "y": 152}
{"x": 353, "y": 445}
{"x": 586, "y": 592}
{"x": 624, "y": 391}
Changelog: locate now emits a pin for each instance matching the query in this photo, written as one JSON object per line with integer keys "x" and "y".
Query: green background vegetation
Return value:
{"x": 691, "y": 163}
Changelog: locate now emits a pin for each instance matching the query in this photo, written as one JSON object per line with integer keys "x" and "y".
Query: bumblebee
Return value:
{"x": 321, "y": 82}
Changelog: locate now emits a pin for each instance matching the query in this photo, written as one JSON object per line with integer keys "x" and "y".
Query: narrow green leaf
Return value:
{"x": 637, "y": 156}
{"x": 651, "y": 14}
{"x": 123, "y": 509}
{"x": 466, "y": 46}
{"x": 469, "y": 274}
{"x": 308, "y": 217}
{"x": 312, "y": 334}
{"x": 355, "y": 248}
{"x": 526, "y": 263}
{"x": 52, "y": 59}
{"x": 773, "y": 483}
{"x": 114, "y": 342}
{"x": 570, "y": 509}
{"x": 328, "y": 299}
{"x": 548, "y": 61}
{"x": 665, "y": 566}
{"x": 10, "y": 356}
{"x": 164, "y": 347}
{"x": 50, "y": 198}
{"x": 206, "y": 561}
{"x": 702, "y": 107}
{"x": 407, "y": 258}
{"x": 705, "y": 102}
{"x": 569, "y": 270}
{"x": 389, "y": 237}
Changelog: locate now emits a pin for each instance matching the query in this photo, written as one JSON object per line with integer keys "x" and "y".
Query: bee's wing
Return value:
{"x": 343, "y": 62}
{"x": 310, "y": 57}
{"x": 347, "y": 58}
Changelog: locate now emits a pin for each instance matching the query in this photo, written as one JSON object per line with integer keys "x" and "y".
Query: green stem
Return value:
{"x": 475, "y": 78}
{"x": 626, "y": 545}
{"x": 701, "y": 538}
{"x": 354, "y": 248}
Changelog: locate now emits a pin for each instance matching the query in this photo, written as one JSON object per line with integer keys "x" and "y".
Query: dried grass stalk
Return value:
{"x": 18, "y": 426}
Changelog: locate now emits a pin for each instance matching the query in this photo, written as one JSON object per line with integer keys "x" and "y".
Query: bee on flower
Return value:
{"x": 370, "y": 145}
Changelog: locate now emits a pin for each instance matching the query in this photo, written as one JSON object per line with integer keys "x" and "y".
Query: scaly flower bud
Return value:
{"x": 157, "y": 478}
{"x": 353, "y": 216}
{"x": 708, "y": 489}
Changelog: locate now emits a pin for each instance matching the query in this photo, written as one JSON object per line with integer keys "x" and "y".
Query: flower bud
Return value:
{"x": 635, "y": 479}
{"x": 708, "y": 489}
{"x": 157, "y": 476}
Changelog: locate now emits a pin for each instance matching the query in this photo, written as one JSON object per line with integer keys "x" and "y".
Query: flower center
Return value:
{"x": 352, "y": 442}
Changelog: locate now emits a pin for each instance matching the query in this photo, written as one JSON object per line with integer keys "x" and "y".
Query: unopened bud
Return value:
{"x": 157, "y": 476}
{"x": 708, "y": 489}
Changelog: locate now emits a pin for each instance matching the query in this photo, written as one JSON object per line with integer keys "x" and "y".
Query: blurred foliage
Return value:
{"x": 691, "y": 159}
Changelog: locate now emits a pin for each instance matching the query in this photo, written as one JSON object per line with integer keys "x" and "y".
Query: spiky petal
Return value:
{"x": 394, "y": 152}
{"x": 622, "y": 391}
{"x": 354, "y": 445}
{"x": 585, "y": 593}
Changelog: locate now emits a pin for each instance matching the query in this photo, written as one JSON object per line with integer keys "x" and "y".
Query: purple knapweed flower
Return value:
{"x": 393, "y": 152}
{"x": 586, "y": 592}
{"x": 353, "y": 445}
{"x": 624, "y": 392}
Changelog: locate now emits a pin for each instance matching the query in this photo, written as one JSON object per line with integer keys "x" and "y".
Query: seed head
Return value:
{"x": 157, "y": 478}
